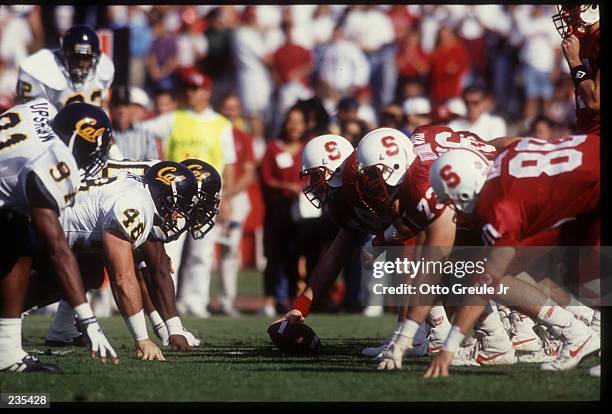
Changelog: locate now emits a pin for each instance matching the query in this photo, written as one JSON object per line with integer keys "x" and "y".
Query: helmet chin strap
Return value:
{"x": 71, "y": 141}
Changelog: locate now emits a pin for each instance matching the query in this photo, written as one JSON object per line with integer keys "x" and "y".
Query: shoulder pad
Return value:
{"x": 43, "y": 67}
{"x": 105, "y": 69}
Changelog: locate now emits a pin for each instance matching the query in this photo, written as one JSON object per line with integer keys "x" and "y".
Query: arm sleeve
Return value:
{"x": 229, "y": 149}
{"x": 160, "y": 126}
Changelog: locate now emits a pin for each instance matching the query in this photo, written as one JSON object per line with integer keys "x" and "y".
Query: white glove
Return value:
{"x": 191, "y": 339}
{"x": 99, "y": 344}
{"x": 161, "y": 331}
{"x": 392, "y": 357}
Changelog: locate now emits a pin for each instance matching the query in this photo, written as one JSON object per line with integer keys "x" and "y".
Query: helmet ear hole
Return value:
{"x": 464, "y": 196}
{"x": 396, "y": 166}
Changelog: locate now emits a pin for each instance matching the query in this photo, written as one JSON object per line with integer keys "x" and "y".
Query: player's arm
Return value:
{"x": 126, "y": 291}
{"x": 586, "y": 84}
{"x": 45, "y": 219}
{"x": 161, "y": 288}
{"x": 503, "y": 142}
{"x": 344, "y": 246}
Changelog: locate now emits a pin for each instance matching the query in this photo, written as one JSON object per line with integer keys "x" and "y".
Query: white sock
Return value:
{"x": 10, "y": 342}
{"x": 490, "y": 321}
{"x": 406, "y": 333}
{"x": 63, "y": 327}
{"x": 580, "y": 311}
{"x": 440, "y": 325}
{"x": 554, "y": 315}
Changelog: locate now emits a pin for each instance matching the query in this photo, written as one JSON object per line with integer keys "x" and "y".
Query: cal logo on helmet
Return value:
{"x": 85, "y": 128}
{"x": 196, "y": 170}
{"x": 166, "y": 176}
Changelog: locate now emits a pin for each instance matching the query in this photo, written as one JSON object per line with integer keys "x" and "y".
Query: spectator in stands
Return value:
{"x": 231, "y": 230}
{"x": 291, "y": 65}
{"x": 218, "y": 63}
{"x": 392, "y": 116}
{"x": 343, "y": 68}
{"x": 449, "y": 63}
{"x": 8, "y": 80}
{"x": 164, "y": 101}
{"x": 365, "y": 111}
{"x": 372, "y": 30}
{"x": 252, "y": 58}
{"x": 282, "y": 186}
{"x": 412, "y": 61}
{"x": 478, "y": 119}
{"x": 317, "y": 118}
{"x": 346, "y": 113}
{"x": 542, "y": 127}
{"x": 418, "y": 113}
{"x": 162, "y": 60}
{"x": 540, "y": 54}
{"x": 191, "y": 42}
{"x": 133, "y": 141}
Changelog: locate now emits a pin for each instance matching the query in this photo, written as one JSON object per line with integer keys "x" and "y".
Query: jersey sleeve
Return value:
{"x": 500, "y": 224}
{"x": 131, "y": 217}
{"x": 29, "y": 88}
{"x": 58, "y": 172}
{"x": 418, "y": 202}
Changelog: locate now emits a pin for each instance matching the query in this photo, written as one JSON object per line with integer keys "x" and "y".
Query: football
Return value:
{"x": 294, "y": 339}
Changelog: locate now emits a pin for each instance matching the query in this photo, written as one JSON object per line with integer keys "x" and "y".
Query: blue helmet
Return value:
{"x": 80, "y": 52}
{"x": 86, "y": 130}
{"x": 209, "y": 187}
{"x": 174, "y": 190}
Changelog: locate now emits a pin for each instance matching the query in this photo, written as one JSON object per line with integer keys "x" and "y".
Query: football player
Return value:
{"x": 157, "y": 288}
{"x": 433, "y": 226}
{"x": 40, "y": 165}
{"x": 329, "y": 161}
{"x": 578, "y": 25}
{"x": 516, "y": 202}
{"x": 114, "y": 216}
{"x": 77, "y": 72}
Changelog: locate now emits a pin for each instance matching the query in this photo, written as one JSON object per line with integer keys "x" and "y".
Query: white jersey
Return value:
{"x": 28, "y": 144}
{"x": 121, "y": 203}
{"x": 43, "y": 75}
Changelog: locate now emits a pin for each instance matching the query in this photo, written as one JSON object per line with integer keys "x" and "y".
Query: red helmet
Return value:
{"x": 575, "y": 19}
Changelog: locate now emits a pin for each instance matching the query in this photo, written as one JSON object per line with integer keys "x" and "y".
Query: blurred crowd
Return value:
{"x": 284, "y": 74}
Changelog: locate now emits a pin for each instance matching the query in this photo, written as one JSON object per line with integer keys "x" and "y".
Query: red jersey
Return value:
{"x": 588, "y": 121}
{"x": 345, "y": 207}
{"x": 535, "y": 186}
{"x": 418, "y": 202}
{"x": 243, "y": 143}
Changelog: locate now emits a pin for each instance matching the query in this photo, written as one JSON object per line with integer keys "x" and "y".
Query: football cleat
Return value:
{"x": 30, "y": 363}
{"x": 522, "y": 334}
{"x": 493, "y": 349}
{"x": 577, "y": 341}
{"x": 81, "y": 341}
{"x": 595, "y": 371}
{"x": 292, "y": 339}
{"x": 547, "y": 353}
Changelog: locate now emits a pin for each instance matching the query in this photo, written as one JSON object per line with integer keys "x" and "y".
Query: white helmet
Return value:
{"x": 322, "y": 159}
{"x": 383, "y": 157}
{"x": 458, "y": 175}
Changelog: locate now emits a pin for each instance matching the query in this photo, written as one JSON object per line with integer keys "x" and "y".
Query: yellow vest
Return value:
{"x": 193, "y": 137}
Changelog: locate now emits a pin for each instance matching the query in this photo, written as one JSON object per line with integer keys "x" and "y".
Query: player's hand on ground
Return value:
{"x": 191, "y": 339}
{"x": 99, "y": 344}
{"x": 439, "y": 365}
{"x": 178, "y": 343}
{"x": 148, "y": 351}
{"x": 294, "y": 316}
{"x": 391, "y": 358}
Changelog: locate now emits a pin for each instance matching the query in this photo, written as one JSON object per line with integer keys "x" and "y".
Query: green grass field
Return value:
{"x": 237, "y": 363}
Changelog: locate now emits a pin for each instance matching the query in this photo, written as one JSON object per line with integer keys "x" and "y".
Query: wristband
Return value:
{"x": 175, "y": 327}
{"x": 155, "y": 319}
{"x": 579, "y": 75}
{"x": 85, "y": 314}
{"x": 453, "y": 340}
{"x": 303, "y": 304}
{"x": 137, "y": 326}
